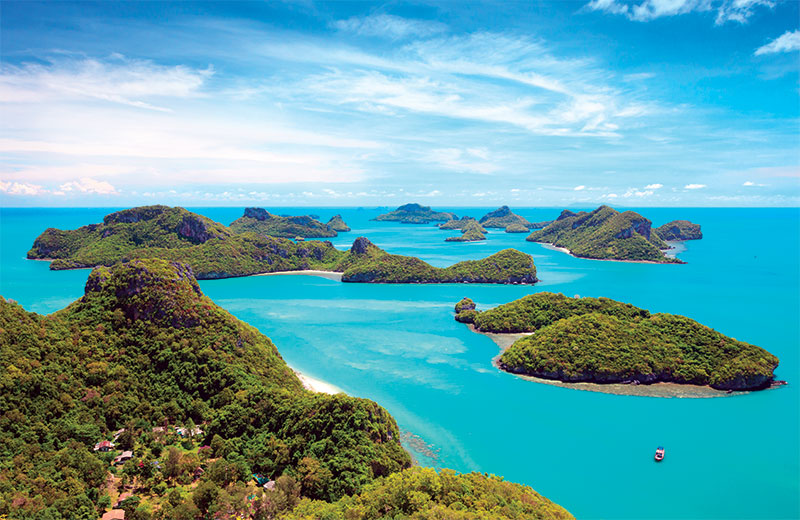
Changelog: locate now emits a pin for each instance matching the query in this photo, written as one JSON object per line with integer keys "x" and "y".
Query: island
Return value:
{"x": 145, "y": 396}
{"x": 337, "y": 224}
{"x": 606, "y": 234}
{"x": 214, "y": 251}
{"x": 603, "y": 341}
{"x": 471, "y": 231}
{"x": 517, "y": 227}
{"x": 457, "y": 223}
{"x": 679, "y": 230}
{"x": 503, "y": 217}
{"x": 415, "y": 214}
{"x": 259, "y": 220}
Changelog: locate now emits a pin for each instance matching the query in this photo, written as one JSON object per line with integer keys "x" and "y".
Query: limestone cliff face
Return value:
{"x": 257, "y": 213}
{"x": 638, "y": 225}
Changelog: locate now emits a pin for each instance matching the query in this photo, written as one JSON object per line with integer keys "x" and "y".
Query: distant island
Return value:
{"x": 259, "y": 220}
{"x": 471, "y": 231}
{"x": 503, "y": 217}
{"x": 216, "y": 251}
{"x": 607, "y": 234}
{"x": 415, "y": 214}
{"x": 337, "y": 224}
{"x": 599, "y": 340}
{"x": 679, "y": 230}
{"x": 147, "y": 397}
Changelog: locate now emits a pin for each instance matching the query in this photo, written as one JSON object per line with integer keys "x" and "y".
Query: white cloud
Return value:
{"x": 646, "y": 10}
{"x": 389, "y": 26}
{"x": 579, "y": 188}
{"x": 89, "y": 186}
{"x": 470, "y": 160}
{"x": 694, "y": 186}
{"x": 787, "y": 42}
{"x": 654, "y": 186}
{"x": 136, "y": 83}
{"x": 751, "y": 183}
{"x": 21, "y": 188}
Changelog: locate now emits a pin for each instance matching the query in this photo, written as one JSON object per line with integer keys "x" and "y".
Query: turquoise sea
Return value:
{"x": 731, "y": 457}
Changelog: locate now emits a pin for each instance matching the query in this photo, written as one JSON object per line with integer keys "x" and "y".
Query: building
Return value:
{"x": 104, "y": 446}
{"x": 126, "y": 455}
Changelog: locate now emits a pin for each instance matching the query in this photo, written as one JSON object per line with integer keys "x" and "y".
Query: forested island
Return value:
{"x": 607, "y": 234}
{"x": 416, "y": 214}
{"x": 599, "y": 340}
{"x": 214, "y": 251}
{"x": 471, "y": 231}
{"x": 146, "y": 396}
{"x": 679, "y": 230}
{"x": 259, "y": 220}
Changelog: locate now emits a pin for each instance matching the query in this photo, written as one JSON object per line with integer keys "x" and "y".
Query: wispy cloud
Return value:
{"x": 389, "y": 26}
{"x": 694, "y": 186}
{"x": 137, "y": 83}
{"x": 787, "y": 42}
{"x": 654, "y": 186}
{"x": 646, "y": 10}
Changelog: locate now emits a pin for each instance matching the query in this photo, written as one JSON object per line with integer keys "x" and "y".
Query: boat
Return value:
{"x": 659, "y": 454}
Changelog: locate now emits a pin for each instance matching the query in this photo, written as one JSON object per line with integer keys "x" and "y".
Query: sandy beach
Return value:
{"x": 505, "y": 340}
{"x": 315, "y": 385}
{"x": 330, "y": 275}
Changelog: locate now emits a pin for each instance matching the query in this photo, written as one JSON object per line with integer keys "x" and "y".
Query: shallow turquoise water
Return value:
{"x": 735, "y": 457}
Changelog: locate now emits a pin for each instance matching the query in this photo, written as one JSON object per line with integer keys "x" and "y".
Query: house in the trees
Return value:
{"x": 104, "y": 446}
{"x": 126, "y": 455}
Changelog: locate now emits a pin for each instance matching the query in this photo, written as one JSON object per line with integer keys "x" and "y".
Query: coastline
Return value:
{"x": 330, "y": 275}
{"x": 505, "y": 340}
{"x": 548, "y": 245}
{"x": 317, "y": 385}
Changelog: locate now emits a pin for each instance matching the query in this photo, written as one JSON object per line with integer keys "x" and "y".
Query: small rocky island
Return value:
{"x": 607, "y": 234}
{"x": 259, "y": 220}
{"x": 679, "y": 230}
{"x": 214, "y": 251}
{"x": 471, "y": 231}
{"x": 337, "y": 224}
{"x": 602, "y": 341}
{"x": 503, "y": 217}
{"x": 415, "y": 214}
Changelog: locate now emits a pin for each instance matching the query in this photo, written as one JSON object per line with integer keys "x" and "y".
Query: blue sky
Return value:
{"x": 557, "y": 103}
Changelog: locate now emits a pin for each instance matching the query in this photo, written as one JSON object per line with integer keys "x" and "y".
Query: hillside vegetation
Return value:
{"x": 144, "y": 348}
{"x": 604, "y": 341}
{"x": 471, "y": 231}
{"x": 605, "y": 233}
{"x": 679, "y": 230}
{"x": 260, "y": 221}
{"x": 214, "y": 251}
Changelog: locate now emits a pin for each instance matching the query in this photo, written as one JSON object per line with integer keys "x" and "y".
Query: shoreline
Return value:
{"x": 316, "y": 385}
{"x": 662, "y": 390}
{"x": 330, "y": 275}
{"x": 548, "y": 245}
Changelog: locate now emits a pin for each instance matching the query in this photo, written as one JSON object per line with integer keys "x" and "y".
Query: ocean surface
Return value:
{"x": 729, "y": 457}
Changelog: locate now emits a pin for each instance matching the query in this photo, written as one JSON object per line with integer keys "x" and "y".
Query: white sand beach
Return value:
{"x": 330, "y": 275}
{"x": 315, "y": 385}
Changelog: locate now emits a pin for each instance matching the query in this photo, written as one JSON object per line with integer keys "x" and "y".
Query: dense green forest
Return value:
{"x": 416, "y": 214}
{"x": 260, "y": 221}
{"x": 604, "y": 341}
{"x": 605, "y": 233}
{"x": 215, "y": 251}
{"x": 457, "y": 223}
{"x": 144, "y": 352}
{"x": 424, "y": 494}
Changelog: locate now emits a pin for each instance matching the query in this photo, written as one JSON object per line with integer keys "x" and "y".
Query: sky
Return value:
{"x": 525, "y": 103}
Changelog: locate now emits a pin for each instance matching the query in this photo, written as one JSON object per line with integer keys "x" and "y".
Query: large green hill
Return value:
{"x": 144, "y": 351}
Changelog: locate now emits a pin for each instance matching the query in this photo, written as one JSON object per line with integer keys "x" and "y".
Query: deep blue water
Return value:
{"x": 733, "y": 457}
